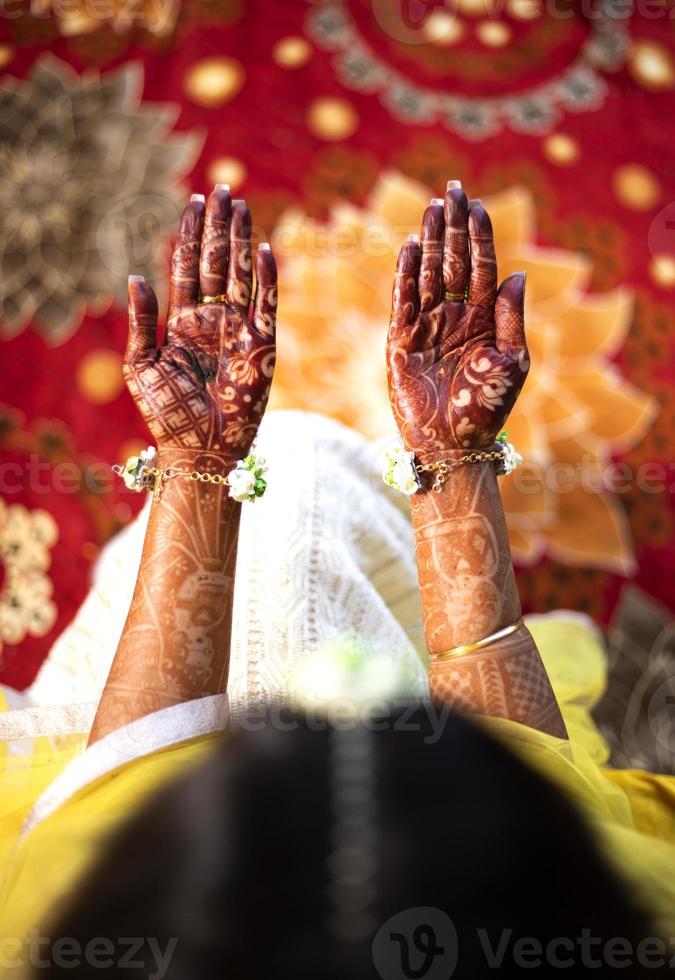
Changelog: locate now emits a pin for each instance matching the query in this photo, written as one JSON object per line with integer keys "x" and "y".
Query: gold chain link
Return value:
{"x": 444, "y": 466}
{"x": 160, "y": 475}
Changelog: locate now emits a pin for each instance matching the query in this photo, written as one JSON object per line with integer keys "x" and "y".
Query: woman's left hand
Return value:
{"x": 456, "y": 351}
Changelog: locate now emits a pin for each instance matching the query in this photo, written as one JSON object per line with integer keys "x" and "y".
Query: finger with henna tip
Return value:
{"x": 431, "y": 266}
{"x": 483, "y": 278}
{"x": 405, "y": 300}
{"x": 142, "y": 338}
{"x": 240, "y": 269}
{"x": 215, "y": 246}
{"x": 265, "y": 305}
{"x": 510, "y": 314}
{"x": 456, "y": 258}
{"x": 184, "y": 279}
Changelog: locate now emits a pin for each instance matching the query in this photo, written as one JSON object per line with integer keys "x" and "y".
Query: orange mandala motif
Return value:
{"x": 575, "y": 412}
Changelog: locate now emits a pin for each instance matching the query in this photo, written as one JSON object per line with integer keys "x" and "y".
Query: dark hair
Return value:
{"x": 239, "y": 860}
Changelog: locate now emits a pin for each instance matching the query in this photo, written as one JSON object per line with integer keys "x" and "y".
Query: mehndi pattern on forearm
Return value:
{"x": 507, "y": 680}
{"x": 176, "y": 640}
{"x": 464, "y": 564}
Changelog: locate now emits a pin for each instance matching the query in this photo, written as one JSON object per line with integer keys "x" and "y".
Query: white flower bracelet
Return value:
{"x": 246, "y": 481}
{"x": 403, "y": 472}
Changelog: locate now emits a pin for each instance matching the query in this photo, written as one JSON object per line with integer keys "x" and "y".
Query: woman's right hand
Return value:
{"x": 456, "y": 351}
{"x": 206, "y": 387}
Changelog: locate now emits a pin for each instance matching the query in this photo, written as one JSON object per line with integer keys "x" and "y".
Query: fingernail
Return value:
{"x": 264, "y": 247}
{"x": 136, "y": 278}
{"x": 453, "y": 185}
{"x": 222, "y": 187}
{"x": 414, "y": 239}
{"x": 436, "y": 200}
{"x": 198, "y": 197}
{"x": 475, "y": 202}
{"x": 239, "y": 200}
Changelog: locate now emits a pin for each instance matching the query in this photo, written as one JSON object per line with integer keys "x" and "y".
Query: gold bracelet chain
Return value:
{"x": 160, "y": 474}
{"x": 444, "y": 466}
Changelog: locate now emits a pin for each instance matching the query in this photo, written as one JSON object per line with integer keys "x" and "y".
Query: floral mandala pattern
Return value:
{"x": 574, "y": 412}
{"x": 25, "y": 596}
{"x": 87, "y": 189}
{"x": 578, "y": 88}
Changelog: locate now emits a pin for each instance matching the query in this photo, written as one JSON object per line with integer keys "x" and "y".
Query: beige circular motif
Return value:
{"x": 494, "y": 34}
{"x": 99, "y": 376}
{"x": 212, "y": 82}
{"x": 662, "y": 270}
{"x": 561, "y": 149}
{"x": 227, "y": 170}
{"x": 291, "y": 52}
{"x": 651, "y": 65}
{"x": 332, "y": 119}
{"x": 525, "y": 9}
{"x": 443, "y": 28}
{"x": 636, "y": 187}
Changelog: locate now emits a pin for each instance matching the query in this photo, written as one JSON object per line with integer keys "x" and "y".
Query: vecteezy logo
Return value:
{"x": 416, "y": 944}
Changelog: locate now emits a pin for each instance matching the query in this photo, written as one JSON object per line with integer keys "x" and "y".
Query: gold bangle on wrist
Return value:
{"x": 467, "y": 648}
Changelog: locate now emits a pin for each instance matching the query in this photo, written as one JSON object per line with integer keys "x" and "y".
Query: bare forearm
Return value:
{"x": 468, "y": 592}
{"x": 176, "y": 642}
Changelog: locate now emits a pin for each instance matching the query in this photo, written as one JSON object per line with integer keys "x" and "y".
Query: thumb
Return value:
{"x": 510, "y": 314}
{"x": 142, "y": 319}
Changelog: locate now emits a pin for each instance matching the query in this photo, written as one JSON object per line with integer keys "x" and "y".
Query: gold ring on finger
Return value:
{"x": 454, "y": 297}
{"x": 220, "y": 298}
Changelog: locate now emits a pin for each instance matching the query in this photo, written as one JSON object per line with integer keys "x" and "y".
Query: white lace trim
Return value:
{"x": 170, "y": 726}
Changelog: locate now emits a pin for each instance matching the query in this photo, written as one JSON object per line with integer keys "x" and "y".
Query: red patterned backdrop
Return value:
{"x": 336, "y": 117}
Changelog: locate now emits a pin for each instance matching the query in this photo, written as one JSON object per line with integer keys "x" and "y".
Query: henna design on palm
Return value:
{"x": 207, "y": 385}
{"x": 455, "y": 366}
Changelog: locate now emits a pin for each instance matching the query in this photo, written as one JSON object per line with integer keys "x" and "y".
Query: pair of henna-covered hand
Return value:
{"x": 456, "y": 361}
{"x": 456, "y": 365}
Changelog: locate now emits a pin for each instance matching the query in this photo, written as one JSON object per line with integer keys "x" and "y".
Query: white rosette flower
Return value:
{"x": 247, "y": 480}
{"x": 511, "y": 459}
{"x": 399, "y": 470}
{"x": 135, "y": 469}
